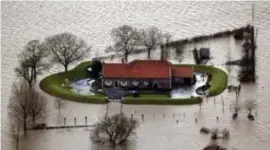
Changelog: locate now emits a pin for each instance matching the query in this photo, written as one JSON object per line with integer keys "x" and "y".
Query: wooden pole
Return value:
{"x": 65, "y": 121}
{"x": 85, "y": 118}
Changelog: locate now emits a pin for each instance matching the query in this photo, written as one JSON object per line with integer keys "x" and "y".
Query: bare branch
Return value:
{"x": 26, "y": 104}
{"x": 126, "y": 39}
{"x": 151, "y": 38}
{"x": 115, "y": 130}
{"x": 32, "y": 61}
{"x": 66, "y": 48}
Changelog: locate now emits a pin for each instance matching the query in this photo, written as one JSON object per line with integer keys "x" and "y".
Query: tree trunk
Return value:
{"x": 24, "y": 125}
{"x": 162, "y": 53}
{"x": 149, "y": 53}
{"x": 17, "y": 142}
{"x": 126, "y": 57}
{"x": 34, "y": 119}
{"x": 66, "y": 67}
{"x": 18, "y": 137}
{"x": 34, "y": 74}
{"x": 30, "y": 84}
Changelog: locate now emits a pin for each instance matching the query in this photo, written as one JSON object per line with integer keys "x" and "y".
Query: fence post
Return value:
{"x": 85, "y": 118}
{"x": 65, "y": 121}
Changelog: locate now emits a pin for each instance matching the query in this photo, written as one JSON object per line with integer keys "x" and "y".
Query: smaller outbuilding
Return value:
{"x": 204, "y": 53}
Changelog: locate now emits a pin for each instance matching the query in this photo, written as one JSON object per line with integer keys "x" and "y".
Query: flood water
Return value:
{"x": 93, "y": 21}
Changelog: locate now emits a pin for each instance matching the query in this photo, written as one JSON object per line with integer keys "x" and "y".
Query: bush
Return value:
{"x": 115, "y": 130}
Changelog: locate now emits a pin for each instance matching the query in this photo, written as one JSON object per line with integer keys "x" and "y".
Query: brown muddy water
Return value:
{"x": 24, "y": 21}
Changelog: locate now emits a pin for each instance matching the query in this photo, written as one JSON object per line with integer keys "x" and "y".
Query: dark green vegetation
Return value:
{"x": 96, "y": 67}
{"x": 52, "y": 85}
{"x": 155, "y": 100}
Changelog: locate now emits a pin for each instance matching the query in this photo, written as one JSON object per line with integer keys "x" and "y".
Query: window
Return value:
{"x": 135, "y": 82}
{"x": 146, "y": 83}
{"x": 108, "y": 82}
{"x": 155, "y": 85}
{"x": 123, "y": 83}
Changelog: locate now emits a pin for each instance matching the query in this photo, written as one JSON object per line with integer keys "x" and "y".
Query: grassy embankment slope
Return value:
{"x": 52, "y": 85}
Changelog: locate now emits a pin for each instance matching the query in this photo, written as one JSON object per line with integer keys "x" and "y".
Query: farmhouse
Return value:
{"x": 146, "y": 75}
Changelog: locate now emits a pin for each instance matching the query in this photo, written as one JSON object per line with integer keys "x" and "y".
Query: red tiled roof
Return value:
{"x": 146, "y": 69}
{"x": 138, "y": 69}
{"x": 182, "y": 71}
{"x": 114, "y": 70}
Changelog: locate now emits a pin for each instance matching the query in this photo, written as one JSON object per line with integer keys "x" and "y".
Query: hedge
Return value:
{"x": 163, "y": 101}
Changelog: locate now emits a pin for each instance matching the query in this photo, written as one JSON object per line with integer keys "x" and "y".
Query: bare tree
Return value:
{"x": 66, "y": 48}
{"x": 115, "y": 129}
{"x": 34, "y": 55}
{"x": 15, "y": 131}
{"x": 37, "y": 106}
{"x": 32, "y": 62}
{"x": 59, "y": 104}
{"x": 166, "y": 38}
{"x": 150, "y": 39}
{"x": 26, "y": 104}
{"x": 126, "y": 39}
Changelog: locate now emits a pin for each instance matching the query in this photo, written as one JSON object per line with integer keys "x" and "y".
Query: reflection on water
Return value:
{"x": 83, "y": 86}
{"x": 93, "y": 22}
{"x": 186, "y": 92}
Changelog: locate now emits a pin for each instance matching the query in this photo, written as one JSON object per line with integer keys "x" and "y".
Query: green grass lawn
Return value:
{"x": 163, "y": 101}
{"x": 219, "y": 78}
{"x": 52, "y": 86}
